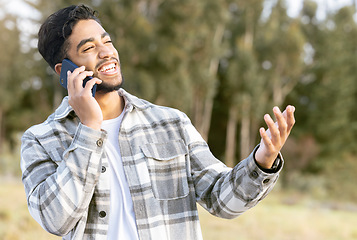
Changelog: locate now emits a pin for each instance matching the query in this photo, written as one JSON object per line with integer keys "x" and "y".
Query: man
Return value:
{"x": 118, "y": 167}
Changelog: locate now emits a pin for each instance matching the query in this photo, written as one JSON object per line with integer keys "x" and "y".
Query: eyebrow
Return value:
{"x": 84, "y": 41}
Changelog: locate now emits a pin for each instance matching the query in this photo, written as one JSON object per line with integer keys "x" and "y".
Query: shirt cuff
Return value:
{"x": 88, "y": 138}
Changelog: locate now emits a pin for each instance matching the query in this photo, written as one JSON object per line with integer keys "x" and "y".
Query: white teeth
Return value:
{"x": 108, "y": 67}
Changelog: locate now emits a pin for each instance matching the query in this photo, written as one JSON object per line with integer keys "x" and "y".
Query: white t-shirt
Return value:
{"x": 122, "y": 224}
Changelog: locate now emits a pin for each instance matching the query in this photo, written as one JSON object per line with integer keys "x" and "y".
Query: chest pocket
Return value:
{"x": 168, "y": 169}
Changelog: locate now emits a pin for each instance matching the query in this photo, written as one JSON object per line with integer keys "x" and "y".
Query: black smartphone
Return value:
{"x": 68, "y": 65}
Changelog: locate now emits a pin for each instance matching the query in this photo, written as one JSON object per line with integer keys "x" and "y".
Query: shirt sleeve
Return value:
{"x": 227, "y": 192}
{"x": 59, "y": 190}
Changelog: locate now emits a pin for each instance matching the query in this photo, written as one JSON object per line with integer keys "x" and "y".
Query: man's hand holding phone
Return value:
{"x": 81, "y": 97}
{"x": 68, "y": 65}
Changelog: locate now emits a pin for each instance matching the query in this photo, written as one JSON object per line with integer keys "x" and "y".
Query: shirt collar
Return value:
{"x": 63, "y": 110}
{"x": 131, "y": 102}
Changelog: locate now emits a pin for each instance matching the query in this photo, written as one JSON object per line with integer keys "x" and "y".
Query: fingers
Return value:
{"x": 273, "y": 129}
{"x": 71, "y": 75}
{"x": 89, "y": 85}
{"x": 75, "y": 80}
{"x": 281, "y": 122}
{"x": 280, "y": 130}
{"x": 290, "y": 119}
{"x": 265, "y": 138}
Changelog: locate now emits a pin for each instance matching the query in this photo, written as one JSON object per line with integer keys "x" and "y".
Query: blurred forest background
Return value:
{"x": 225, "y": 63}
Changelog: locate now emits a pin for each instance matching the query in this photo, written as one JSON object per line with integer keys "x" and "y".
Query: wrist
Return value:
{"x": 264, "y": 160}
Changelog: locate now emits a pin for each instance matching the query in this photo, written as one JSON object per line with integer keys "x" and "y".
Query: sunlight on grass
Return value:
{"x": 16, "y": 222}
{"x": 270, "y": 220}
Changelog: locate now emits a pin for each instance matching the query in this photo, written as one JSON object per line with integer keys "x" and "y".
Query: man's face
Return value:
{"x": 91, "y": 46}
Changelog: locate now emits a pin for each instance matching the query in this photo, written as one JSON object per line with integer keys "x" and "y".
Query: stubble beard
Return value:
{"x": 105, "y": 87}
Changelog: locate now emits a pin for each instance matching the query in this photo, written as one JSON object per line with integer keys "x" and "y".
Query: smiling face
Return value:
{"x": 91, "y": 46}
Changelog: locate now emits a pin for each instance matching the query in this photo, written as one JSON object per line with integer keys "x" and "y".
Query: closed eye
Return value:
{"x": 87, "y": 49}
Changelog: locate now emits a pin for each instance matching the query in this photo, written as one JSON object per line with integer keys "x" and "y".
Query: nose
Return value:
{"x": 105, "y": 52}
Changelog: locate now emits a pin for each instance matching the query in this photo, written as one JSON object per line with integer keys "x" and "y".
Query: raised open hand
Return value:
{"x": 275, "y": 137}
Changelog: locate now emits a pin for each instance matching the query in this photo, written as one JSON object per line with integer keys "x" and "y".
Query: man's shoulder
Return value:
{"x": 63, "y": 111}
{"x": 171, "y": 110}
{"x": 37, "y": 130}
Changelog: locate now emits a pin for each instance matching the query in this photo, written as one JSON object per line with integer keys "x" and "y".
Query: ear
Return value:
{"x": 58, "y": 68}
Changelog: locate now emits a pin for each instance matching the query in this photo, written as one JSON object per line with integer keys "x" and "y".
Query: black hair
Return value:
{"x": 54, "y": 32}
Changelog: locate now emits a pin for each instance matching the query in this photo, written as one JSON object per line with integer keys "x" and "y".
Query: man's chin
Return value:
{"x": 107, "y": 88}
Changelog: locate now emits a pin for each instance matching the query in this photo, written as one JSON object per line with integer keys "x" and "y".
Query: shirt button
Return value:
{"x": 141, "y": 208}
{"x": 100, "y": 142}
{"x": 103, "y": 169}
{"x": 102, "y": 214}
{"x": 266, "y": 180}
{"x": 255, "y": 174}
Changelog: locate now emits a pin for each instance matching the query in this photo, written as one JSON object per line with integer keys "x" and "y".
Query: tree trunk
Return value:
{"x": 1, "y": 130}
{"x": 280, "y": 89}
{"x": 254, "y": 130}
{"x": 207, "y": 116}
{"x": 245, "y": 128}
{"x": 203, "y": 104}
{"x": 231, "y": 136}
{"x": 197, "y": 110}
{"x": 245, "y": 133}
{"x": 213, "y": 69}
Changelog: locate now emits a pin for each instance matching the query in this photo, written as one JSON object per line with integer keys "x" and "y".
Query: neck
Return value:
{"x": 111, "y": 104}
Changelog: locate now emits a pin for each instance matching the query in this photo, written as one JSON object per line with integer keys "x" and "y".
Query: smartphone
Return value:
{"x": 68, "y": 65}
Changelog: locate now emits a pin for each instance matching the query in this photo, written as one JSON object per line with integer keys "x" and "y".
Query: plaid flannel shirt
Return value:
{"x": 167, "y": 164}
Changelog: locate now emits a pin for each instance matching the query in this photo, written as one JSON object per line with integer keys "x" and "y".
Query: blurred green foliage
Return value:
{"x": 223, "y": 62}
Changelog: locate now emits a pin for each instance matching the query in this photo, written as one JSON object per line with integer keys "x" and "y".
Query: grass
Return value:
{"x": 16, "y": 222}
{"x": 272, "y": 220}
{"x": 280, "y": 216}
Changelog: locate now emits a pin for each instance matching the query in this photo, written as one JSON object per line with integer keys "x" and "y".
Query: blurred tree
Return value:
{"x": 331, "y": 82}
{"x": 170, "y": 51}
{"x": 10, "y": 71}
{"x": 130, "y": 24}
{"x": 258, "y": 69}
{"x": 241, "y": 79}
{"x": 205, "y": 35}
{"x": 280, "y": 44}
{"x": 38, "y": 85}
